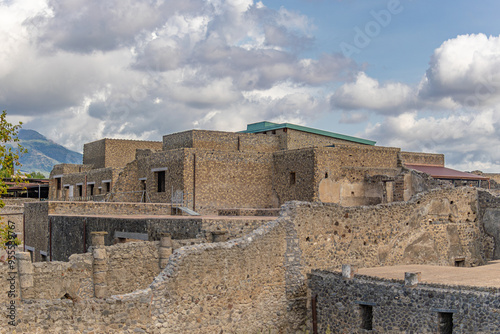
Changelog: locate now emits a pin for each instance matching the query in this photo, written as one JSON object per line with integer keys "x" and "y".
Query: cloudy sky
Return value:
{"x": 417, "y": 74}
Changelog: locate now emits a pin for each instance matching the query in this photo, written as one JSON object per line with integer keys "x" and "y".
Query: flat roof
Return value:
{"x": 269, "y": 126}
{"x": 440, "y": 172}
{"x": 481, "y": 276}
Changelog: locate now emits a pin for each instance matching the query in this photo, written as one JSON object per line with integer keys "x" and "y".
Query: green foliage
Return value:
{"x": 9, "y": 156}
{"x": 36, "y": 175}
{"x": 8, "y": 239}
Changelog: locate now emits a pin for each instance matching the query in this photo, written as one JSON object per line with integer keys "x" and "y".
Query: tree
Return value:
{"x": 37, "y": 175}
{"x": 9, "y": 160}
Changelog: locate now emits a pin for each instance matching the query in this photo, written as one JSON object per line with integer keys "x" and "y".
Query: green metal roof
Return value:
{"x": 268, "y": 126}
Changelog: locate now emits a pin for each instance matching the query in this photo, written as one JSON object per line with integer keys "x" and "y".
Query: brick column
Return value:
{"x": 165, "y": 249}
{"x": 100, "y": 264}
{"x": 25, "y": 272}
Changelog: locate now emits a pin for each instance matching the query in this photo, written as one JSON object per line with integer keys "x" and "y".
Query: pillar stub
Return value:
{"x": 165, "y": 240}
{"x": 348, "y": 271}
{"x": 98, "y": 238}
{"x": 412, "y": 278}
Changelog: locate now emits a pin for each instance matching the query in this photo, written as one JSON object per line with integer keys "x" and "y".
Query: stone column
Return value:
{"x": 165, "y": 249}
{"x": 25, "y": 272}
{"x": 100, "y": 264}
{"x": 412, "y": 279}
{"x": 349, "y": 271}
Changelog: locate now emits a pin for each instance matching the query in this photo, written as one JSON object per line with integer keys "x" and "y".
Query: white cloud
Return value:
{"x": 81, "y": 70}
{"x": 466, "y": 70}
{"x": 368, "y": 93}
{"x": 465, "y": 139}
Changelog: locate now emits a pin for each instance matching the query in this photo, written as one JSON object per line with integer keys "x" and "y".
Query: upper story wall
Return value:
{"x": 422, "y": 158}
{"x": 115, "y": 152}
{"x": 299, "y": 139}
{"x": 221, "y": 141}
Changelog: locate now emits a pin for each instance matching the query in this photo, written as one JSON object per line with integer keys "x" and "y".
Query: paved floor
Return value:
{"x": 483, "y": 276}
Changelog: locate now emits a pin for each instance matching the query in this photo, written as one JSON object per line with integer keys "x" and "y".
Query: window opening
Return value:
{"x": 91, "y": 189}
{"x": 160, "y": 178}
{"x": 80, "y": 190}
{"x": 460, "y": 262}
{"x": 292, "y": 178}
{"x": 366, "y": 317}
{"x": 445, "y": 322}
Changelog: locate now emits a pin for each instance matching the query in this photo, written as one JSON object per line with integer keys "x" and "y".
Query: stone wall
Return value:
{"x": 296, "y": 139}
{"x": 221, "y": 141}
{"x": 60, "y": 229}
{"x": 65, "y": 170}
{"x": 343, "y": 306}
{"x": 131, "y": 266}
{"x": 121, "y": 314}
{"x": 422, "y": 158}
{"x": 107, "y": 208}
{"x": 230, "y": 180}
{"x": 114, "y": 152}
{"x": 258, "y": 282}
{"x": 340, "y": 173}
{"x": 489, "y": 214}
{"x": 293, "y": 177}
{"x": 37, "y": 229}
{"x": 235, "y": 286}
{"x": 433, "y": 228}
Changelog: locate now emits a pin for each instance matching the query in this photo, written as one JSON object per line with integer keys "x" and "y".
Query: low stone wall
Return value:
{"x": 131, "y": 266}
{"x": 128, "y": 267}
{"x": 237, "y": 286}
{"x": 121, "y": 314}
{"x": 108, "y": 208}
{"x": 383, "y": 306}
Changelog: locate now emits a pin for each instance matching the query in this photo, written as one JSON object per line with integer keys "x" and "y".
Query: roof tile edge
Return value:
{"x": 268, "y": 126}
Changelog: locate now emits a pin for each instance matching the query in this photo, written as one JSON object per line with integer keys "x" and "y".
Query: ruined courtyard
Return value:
{"x": 212, "y": 232}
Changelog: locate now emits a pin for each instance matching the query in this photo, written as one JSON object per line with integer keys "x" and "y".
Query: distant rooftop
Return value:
{"x": 440, "y": 172}
{"x": 269, "y": 126}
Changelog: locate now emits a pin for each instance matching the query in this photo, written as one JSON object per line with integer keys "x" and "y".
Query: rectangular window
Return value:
{"x": 160, "y": 180}
{"x": 91, "y": 189}
{"x": 59, "y": 183}
{"x": 445, "y": 322}
{"x": 292, "y": 178}
{"x": 366, "y": 312}
{"x": 80, "y": 190}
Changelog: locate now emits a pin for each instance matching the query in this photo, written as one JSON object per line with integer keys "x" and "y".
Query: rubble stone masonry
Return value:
{"x": 395, "y": 308}
{"x": 258, "y": 282}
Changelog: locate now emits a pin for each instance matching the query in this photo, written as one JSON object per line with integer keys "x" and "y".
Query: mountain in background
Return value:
{"x": 43, "y": 153}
